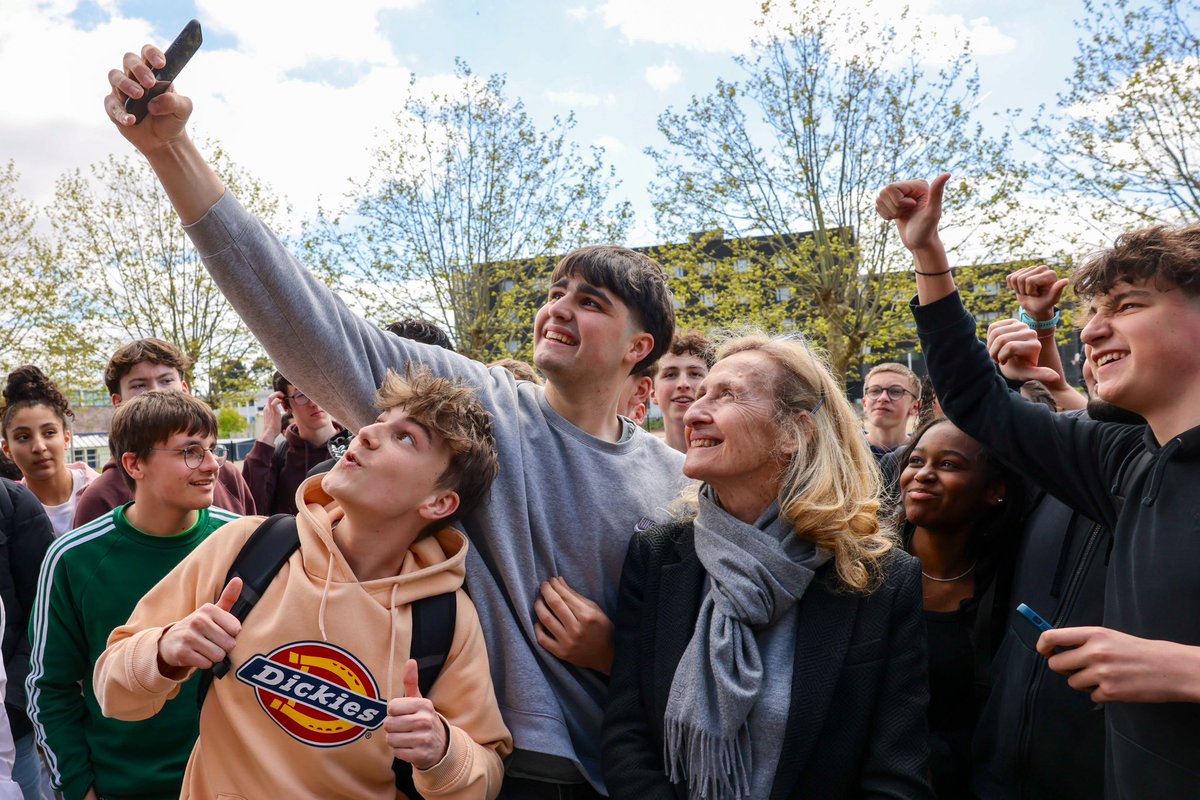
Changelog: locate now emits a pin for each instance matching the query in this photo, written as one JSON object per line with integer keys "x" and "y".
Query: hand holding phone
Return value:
{"x": 177, "y": 56}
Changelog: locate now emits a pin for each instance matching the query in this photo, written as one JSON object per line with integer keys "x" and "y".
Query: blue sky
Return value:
{"x": 298, "y": 91}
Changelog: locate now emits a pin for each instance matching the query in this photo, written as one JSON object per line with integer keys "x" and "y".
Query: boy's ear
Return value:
{"x": 441, "y": 505}
{"x": 639, "y": 347}
{"x": 645, "y": 387}
{"x": 183, "y": 385}
{"x": 116, "y": 400}
{"x": 133, "y": 466}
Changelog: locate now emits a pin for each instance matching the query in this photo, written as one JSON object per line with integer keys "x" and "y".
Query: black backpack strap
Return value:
{"x": 433, "y": 621}
{"x": 280, "y": 456}
{"x": 257, "y": 563}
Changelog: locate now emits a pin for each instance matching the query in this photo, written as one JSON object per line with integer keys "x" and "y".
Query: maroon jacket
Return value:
{"x": 274, "y": 474}
{"x": 109, "y": 491}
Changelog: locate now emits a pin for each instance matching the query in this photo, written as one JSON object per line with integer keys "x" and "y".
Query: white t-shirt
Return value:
{"x": 61, "y": 516}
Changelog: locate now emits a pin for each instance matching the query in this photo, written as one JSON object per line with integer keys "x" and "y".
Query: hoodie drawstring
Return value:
{"x": 324, "y": 599}
{"x": 1156, "y": 471}
{"x": 392, "y": 643}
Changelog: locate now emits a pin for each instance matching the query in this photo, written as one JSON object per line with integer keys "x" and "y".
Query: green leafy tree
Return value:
{"x": 463, "y": 190}
{"x": 1123, "y": 144}
{"x": 117, "y": 228}
{"x": 229, "y": 422}
{"x": 44, "y": 312}
{"x": 829, "y": 110}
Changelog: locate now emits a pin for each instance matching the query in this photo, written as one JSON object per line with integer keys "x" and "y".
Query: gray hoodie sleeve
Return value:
{"x": 335, "y": 356}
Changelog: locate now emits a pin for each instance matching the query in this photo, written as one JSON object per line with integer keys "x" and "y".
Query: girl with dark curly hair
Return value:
{"x": 35, "y": 435}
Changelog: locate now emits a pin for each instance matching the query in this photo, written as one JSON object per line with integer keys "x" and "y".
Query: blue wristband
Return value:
{"x": 1023, "y": 315}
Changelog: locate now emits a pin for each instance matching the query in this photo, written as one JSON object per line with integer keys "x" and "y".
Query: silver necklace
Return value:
{"x": 970, "y": 569}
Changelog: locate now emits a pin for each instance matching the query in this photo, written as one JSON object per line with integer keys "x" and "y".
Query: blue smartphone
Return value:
{"x": 1034, "y": 618}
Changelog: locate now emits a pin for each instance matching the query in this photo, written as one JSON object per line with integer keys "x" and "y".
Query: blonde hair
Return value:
{"x": 831, "y": 487}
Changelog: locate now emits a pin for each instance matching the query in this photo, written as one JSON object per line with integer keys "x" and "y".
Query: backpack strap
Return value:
{"x": 257, "y": 563}
{"x": 279, "y": 457}
{"x": 433, "y": 621}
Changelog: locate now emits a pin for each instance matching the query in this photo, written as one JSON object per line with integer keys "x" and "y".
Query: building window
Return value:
{"x": 512, "y": 345}
{"x": 708, "y": 299}
{"x": 680, "y": 271}
{"x": 708, "y": 267}
{"x": 741, "y": 265}
{"x": 507, "y": 285}
{"x": 783, "y": 294}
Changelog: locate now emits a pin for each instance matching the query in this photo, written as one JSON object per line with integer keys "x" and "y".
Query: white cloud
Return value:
{"x": 729, "y": 26}
{"x": 610, "y": 144}
{"x": 296, "y": 32}
{"x": 720, "y": 26}
{"x": 302, "y": 137}
{"x": 579, "y": 13}
{"x": 663, "y": 76}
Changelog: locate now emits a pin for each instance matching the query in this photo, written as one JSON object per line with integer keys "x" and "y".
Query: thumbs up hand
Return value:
{"x": 414, "y": 730}
{"x": 203, "y": 637}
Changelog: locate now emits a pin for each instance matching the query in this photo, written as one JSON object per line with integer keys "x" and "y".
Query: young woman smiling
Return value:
{"x": 36, "y": 437}
{"x": 961, "y": 513}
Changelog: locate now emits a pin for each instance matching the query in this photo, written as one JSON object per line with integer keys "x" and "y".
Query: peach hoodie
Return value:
{"x": 321, "y": 640}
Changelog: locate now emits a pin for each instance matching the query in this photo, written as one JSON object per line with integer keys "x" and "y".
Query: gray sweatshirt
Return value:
{"x": 565, "y": 503}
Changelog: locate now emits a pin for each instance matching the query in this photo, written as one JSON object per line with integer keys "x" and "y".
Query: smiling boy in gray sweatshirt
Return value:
{"x": 576, "y": 480}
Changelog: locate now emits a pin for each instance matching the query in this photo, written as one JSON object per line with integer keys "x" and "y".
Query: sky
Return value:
{"x": 299, "y": 91}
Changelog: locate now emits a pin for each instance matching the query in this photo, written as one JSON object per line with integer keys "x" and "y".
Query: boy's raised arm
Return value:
{"x": 313, "y": 338}
{"x": 162, "y": 137}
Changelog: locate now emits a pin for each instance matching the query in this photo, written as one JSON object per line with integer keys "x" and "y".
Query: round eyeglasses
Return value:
{"x": 193, "y": 455}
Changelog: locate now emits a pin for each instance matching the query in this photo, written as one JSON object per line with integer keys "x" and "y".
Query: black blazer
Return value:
{"x": 857, "y": 722}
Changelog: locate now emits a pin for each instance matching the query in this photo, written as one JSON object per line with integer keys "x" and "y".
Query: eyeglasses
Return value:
{"x": 299, "y": 398}
{"x": 193, "y": 456}
{"x": 893, "y": 392}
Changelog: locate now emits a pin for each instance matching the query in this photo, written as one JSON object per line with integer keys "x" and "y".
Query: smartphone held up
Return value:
{"x": 177, "y": 56}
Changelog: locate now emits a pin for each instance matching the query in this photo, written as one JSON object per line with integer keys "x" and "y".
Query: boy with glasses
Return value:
{"x": 891, "y": 397}
{"x": 90, "y": 581}
{"x": 142, "y": 366}
{"x": 274, "y": 473}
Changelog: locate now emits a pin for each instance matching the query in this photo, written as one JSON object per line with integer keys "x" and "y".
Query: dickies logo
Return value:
{"x": 320, "y": 694}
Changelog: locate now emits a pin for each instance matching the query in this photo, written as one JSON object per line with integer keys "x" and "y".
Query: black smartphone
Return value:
{"x": 178, "y": 54}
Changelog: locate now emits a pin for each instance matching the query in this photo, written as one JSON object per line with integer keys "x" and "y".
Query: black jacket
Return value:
{"x": 25, "y": 534}
{"x": 856, "y": 725}
{"x": 1037, "y": 738}
{"x": 1153, "y": 585}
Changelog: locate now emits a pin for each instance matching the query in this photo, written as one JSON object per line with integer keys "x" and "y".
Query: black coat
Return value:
{"x": 25, "y": 534}
{"x": 856, "y": 725}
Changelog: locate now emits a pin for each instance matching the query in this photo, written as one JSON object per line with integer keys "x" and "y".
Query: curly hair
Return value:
{"x": 1168, "y": 256}
{"x": 421, "y": 330}
{"x": 451, "y": 411}
{"x": 27, "y": 387}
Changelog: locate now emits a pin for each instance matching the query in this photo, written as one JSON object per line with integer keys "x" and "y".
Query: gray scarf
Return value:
{"x": 756, "y": 574}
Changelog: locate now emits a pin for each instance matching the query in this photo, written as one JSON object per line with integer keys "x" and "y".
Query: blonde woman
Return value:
{"x": 771, "y": 645}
